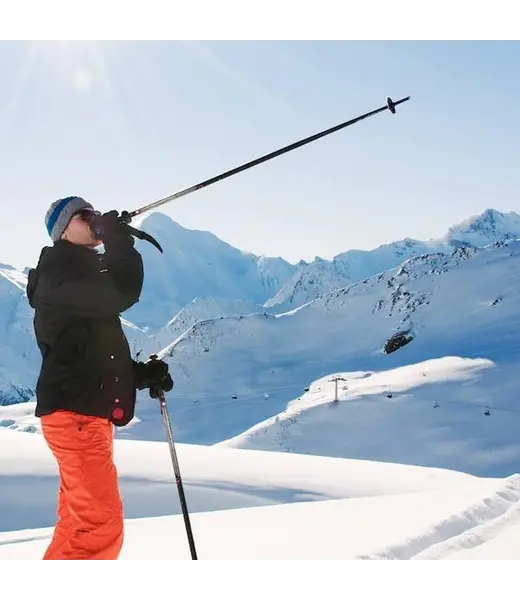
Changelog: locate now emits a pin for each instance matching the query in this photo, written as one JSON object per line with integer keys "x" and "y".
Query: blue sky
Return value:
{"x": 126, "y": 123}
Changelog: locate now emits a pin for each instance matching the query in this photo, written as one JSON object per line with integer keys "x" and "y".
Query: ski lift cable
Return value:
{"x": 253, "y": 399}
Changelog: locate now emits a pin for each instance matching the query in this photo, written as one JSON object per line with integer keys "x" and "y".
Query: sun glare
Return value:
{"x": 65, "y": 73}
{"x": 80, "y": 65}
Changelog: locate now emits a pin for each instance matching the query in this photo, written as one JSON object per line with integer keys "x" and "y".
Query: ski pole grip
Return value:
{"x": 125, "y": 217}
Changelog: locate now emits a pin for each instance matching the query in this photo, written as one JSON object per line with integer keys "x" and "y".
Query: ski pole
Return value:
{"x": 176, "y": 469}
{"x": 390, "y": 105}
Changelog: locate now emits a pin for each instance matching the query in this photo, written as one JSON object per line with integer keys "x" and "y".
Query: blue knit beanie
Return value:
{"x": 61, "y": 212}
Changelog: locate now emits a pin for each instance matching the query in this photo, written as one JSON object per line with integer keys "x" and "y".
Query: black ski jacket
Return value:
{"x": 77, "y": 294}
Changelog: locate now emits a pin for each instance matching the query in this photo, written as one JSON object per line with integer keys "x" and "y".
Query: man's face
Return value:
{"x": 78, "y": 230}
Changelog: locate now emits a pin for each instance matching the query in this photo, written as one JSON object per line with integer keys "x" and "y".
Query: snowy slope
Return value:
{"x": 321, "y": 276}
{"x": 232, "y": 373}
{"x": 19, "y": 357}
{"x": 254, "y": 505}
{"x": 199, "y": 309}
{"x": 198, "y": 264}
{"x": 215, "y": 478}
{"x": 448, "y": 411}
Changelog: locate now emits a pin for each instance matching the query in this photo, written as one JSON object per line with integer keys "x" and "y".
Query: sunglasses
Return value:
{"x": 87, "y": 215}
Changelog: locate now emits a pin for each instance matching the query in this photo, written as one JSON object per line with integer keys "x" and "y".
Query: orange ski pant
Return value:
{"x": 90, "y": 510}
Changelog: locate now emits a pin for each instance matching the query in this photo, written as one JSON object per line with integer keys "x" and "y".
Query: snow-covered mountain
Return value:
{"x": 486, "y": 228}
{"x": 199, "y": 309}
{"x": 19, "y": 356}
{"x": 234, "y": 372}
{"x": 197, "y": 264}
{"x": 322, "y": 276}
{"x": 455, "y": 411}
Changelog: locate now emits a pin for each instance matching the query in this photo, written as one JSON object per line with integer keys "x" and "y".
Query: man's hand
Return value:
{"x": 107, "y": 226}
{"x": 153, "y": 374}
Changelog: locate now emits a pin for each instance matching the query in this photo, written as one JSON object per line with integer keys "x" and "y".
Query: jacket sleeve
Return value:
{"x": 111, "y": 287}
{"x": 125, "y": 266}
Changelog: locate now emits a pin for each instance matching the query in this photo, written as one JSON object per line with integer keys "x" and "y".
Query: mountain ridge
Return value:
{"x": 322, "y": 276}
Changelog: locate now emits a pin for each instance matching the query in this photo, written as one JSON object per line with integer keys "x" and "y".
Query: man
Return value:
{"x": 88, "y": 380}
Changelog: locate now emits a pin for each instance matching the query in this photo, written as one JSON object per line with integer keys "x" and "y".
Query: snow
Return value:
{"x": 198, "y": 264}
{"x": 322, "y": 276}
{"x": 232, "y": 373}
{"x": 488, "y": 227}
{"x": 199, "y": 309}
{"x": 429, "y": 413}
{"x": 247, "y": 504}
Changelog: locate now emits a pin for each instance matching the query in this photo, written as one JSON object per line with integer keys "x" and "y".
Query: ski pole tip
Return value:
{"x": 390, "y": 104}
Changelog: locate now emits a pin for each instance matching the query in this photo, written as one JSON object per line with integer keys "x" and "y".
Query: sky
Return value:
{"x": 126, "y": 123}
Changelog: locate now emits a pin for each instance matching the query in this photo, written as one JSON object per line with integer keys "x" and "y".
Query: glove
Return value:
{"x": 108, "y": 226}
{"x": 153, "y": 374}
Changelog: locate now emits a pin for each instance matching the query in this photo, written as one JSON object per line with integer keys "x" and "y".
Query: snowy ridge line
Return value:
{"x": 12, "y": 279}
{"x": 483, "y": 513}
